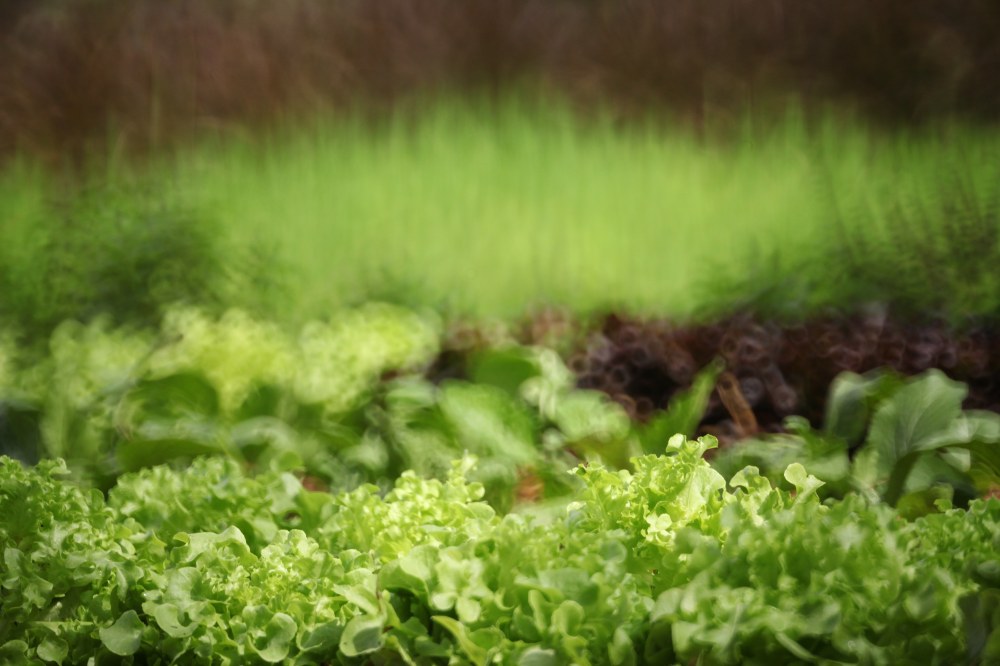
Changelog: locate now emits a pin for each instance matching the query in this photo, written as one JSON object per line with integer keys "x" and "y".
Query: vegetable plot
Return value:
{"x": 664, "y": 564}
{"x": 905, "y": 441}
{"x": 345, "y": 403}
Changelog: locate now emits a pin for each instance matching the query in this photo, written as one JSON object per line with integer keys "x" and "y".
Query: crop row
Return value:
{"x": 367, "y": 395}
{"x": 318, "y": 504}
{"x": 665, "y": 564}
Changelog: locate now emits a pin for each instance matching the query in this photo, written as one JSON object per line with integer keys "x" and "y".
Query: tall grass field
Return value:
{"x": 491, "y": 209}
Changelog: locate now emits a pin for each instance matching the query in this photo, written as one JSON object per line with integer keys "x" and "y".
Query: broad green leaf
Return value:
{"x": 362, "y": 635}
{"x": 468, "y": 609}
{"x": 322, "y": 638}
{"x": 506, "y": 369}
{"x": 851, "y": 400}
{"x": 176, "y": 395}
{"x": 277, "y": 640}
{"x": 805, "y": 483}
{"x": 489, "y": 422}
{"x": 621, "y": 651}
{"x": 14, "y": 652}
{"x": 360, "y": 589}
{"x": 567, "y": 618}
{"x": 957, "y": 457}
{"x": 168, "y": 617}
{"x": 553, "y": 382}
{"x": 156, "y": 443}
{"x": 125, "y": 636}
{"x": 476, "y": 654}
{"x": 409, "y": 396}
{"x": 196, "y": 544}
{"x": 704, "y": 484}
{"x": 264, "y": 437}
{"x": 53, "y": 649}
{"x": 595, "y": 426}
{"x": 571, "y": 583}
{"x": 684, "y": 634}
{"x": 917, "y": 418}
{"x": 582, "y": 415}
{"x": 988, "y": 573}
{"x": 983, "y": 443}
{"x": 413, "y": 571}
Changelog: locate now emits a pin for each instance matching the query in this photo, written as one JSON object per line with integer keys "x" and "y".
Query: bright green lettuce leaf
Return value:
{"x": 918, "y": 439}
{"x": 125, "y": 636}
{"x": 53, "y": 649}
{"x": 15, "y": 652}
{"x": 362, "y": 635}
{"x": 475, "y": 653}
{"x": 805, "y": 484}
{"x": 661, "y": 564}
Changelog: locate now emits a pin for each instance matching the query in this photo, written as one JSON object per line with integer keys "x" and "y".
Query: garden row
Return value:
{"x": 788, "y": 218}
{"x": 776, "y": 369}
{"x": 308, "y": 497}
{"x": 666, "y": 564}
{"x": 866, "y": 404}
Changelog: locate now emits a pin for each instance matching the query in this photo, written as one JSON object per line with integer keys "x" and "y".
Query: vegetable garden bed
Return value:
{"x": 665, "y": 564}
{"x": 318, "y": 504}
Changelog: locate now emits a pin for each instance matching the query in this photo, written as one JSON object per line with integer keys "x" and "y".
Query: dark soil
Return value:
{"x": 775, "y": 370}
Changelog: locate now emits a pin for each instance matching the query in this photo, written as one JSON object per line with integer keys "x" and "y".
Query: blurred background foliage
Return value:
{"x": 483, "y": 158}
{"x": 150, "y": 71}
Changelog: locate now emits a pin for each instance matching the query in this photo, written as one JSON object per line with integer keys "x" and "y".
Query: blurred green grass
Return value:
{"x": 489, "y": 209}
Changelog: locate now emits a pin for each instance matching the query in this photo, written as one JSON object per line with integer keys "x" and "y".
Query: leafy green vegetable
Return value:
{"x": 661, "y": 564}
{"x": 852, "y": 400}
{"x": 917, "y": 418}
{"x": 114, "y": 401}
{"x": 506, "y": 368}
{"x": 915, "y": 443}
{"x": 124, "y": 637}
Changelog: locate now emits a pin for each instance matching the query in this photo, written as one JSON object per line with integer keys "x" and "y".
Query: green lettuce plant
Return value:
{"x": 907, "y": 442}
{"x": 665, "y": 564}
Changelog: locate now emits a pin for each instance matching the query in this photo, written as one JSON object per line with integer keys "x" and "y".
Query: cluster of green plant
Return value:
{"x": 664, "y": 564}
{"x": 564, "y": 209}
{"x": 344, "y": 401}
{"x": 109, "y": 399}
{"x": 586, "y": 213}
{"x": 920, "y": 248}
{"x": 115, "y": 248}
{"x": 906, "y": 441}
